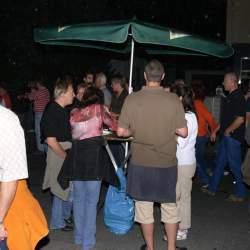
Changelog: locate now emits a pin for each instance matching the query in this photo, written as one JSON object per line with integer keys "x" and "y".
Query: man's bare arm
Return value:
{"x": 122, "y": 132}
{"x": 7, "y": 194}
{"x": 56, "y": 147}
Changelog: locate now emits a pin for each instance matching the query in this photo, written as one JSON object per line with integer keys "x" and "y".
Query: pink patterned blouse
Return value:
{"x": 88, "y": 122}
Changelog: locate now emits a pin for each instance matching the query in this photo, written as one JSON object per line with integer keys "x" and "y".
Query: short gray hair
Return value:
{"x": 61, "y": 87}
{"x": 154, "y": 71}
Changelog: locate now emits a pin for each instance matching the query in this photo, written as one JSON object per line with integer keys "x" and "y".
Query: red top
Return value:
{"x": 204, "y": 118}
{"x": 88, "y": 122}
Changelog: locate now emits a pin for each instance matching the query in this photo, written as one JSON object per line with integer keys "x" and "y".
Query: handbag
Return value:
{"x": 118, "y": 207}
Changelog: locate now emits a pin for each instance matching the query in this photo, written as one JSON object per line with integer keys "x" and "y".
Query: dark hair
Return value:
{"x": 154, "y": 71}
{"x": 119, "y": 79}
{"x": 81, "y": 85}
{"x": 187, "y": 96}
{"x": 199, "y": 91}
{"x": 245, "y": 87}
{"x": 92, "y": 95}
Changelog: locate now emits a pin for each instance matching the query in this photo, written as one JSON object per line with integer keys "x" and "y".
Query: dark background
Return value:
{"x": 21, "y": 59}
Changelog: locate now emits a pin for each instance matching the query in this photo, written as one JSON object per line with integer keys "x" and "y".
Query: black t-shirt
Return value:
{"x": 233, "y": 106}
{"x": 55, "y": 123}
{"x": 117, "y": 102}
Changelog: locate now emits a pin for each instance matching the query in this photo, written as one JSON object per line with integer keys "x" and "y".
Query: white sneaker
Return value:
{"x": 182, "y": 234}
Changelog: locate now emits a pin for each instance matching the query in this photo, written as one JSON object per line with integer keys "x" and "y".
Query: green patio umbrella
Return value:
{"x": 121, "y": 36}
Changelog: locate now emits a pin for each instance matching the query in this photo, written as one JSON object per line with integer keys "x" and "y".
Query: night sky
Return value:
{"x": 21, "y": 58}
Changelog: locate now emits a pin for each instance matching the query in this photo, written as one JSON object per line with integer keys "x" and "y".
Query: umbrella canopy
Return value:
{"x": 116, "y": 37}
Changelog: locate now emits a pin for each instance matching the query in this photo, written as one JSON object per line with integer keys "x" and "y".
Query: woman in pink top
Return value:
{"x": 87, "y": 163}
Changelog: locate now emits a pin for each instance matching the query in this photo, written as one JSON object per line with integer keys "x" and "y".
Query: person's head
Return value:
{"x": 118, "y": 83}
{"x": 166, "y": 85}
{"x": 245, "y": 88}
{"x": 69, "y": 78}
{"x": 2, "y": 91}
{"x": 154, "y": 72}
{"x": 39, "y": 83}
{"x": 230, "y": 81}
{"x": 199, "y": 91}
{"x": 100, "y": 80}
{"x": 91, "y": 96}
{"x": 186, "y": 96}
{"x": 88, "y": 78}
{"x": 179, "y": 81}
{"x": 63, "y": 92}
{"x": 80, "y": 90}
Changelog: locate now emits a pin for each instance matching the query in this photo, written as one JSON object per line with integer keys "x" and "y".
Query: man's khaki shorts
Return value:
{"x": 144, "y": 212}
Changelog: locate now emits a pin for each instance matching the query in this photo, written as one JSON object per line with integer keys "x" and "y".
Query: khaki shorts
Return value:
{"x": 144, "y": 212}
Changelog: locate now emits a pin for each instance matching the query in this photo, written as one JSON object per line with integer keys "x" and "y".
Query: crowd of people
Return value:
{"x": 171, "y": 128}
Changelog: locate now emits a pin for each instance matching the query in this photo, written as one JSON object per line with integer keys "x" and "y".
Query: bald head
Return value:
{"x": 230, "y": 81}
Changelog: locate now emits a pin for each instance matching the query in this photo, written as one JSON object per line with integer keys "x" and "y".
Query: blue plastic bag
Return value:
{"x": 118, "y": 207}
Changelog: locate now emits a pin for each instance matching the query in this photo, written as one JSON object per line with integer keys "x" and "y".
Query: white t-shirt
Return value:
{"x": 13, "y": 160}
{"x": 186, "y": 146}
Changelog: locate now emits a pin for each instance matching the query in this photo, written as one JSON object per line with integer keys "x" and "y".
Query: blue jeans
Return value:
{"x": 229, "y": 151}
{"x": 200, "y": 147}
{"x": 3, "y": 245}
{"x": 60, "y": 211}
{"x": 85, "y": 199}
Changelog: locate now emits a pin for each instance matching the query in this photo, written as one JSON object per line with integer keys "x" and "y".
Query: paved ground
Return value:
{"x": 216, "y": 224}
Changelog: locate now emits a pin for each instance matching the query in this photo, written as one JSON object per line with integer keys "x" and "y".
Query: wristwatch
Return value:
{"x": 1, "y": 222}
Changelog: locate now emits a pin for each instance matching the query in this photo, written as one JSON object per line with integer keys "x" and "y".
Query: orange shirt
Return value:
{"x": 25, "y": 221}
{"x": 204, "y": 118}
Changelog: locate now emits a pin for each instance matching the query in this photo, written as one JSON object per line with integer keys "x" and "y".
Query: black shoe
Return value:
{"x": 181, "y": 248}
{"x": 67, "y": 228}
{"x": 69, "y": 221}
{"x": 143, "y": 247}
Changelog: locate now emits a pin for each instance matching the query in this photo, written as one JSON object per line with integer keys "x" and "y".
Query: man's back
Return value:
{"x": 153, "y": 116}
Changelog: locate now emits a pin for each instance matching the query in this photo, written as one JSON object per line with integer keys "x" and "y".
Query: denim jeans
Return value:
{"x": 85, "y": 199}
{"x": 39, "y": 145}
{"x": 3, "y": 245}
{"x": 229, "y": 152}
{"x": 60, "y": 211}
{"x": 200, "y": 147}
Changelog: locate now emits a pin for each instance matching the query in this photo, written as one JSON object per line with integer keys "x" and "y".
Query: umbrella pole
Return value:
{"x": 130, "y": 88}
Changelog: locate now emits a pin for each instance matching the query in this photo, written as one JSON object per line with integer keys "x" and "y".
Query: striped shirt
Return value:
{"x": 41, "y": 97}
